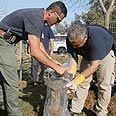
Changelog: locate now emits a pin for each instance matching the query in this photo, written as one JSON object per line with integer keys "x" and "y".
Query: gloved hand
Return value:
{"x": 72, "y": 86}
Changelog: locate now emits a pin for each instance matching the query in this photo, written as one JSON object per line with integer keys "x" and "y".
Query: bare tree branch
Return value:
{"x": 108, "y": 12}
{"x": 74, "y": 4}
{"x": 111, "y": 6}
{"x": 3, "y": 8}
{"x": 102, "y": 5}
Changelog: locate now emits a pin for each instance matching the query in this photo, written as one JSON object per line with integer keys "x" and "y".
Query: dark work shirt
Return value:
{"x": 47, "y": 34}
{"x": 97, "y": 46}
{"x": 24, "y": 21}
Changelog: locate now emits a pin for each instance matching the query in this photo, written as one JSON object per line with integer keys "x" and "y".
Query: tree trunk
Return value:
{"x": 107, "y": 20}
{"x": 107, "y": 12}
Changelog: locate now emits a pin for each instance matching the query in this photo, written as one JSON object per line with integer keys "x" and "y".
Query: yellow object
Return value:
{"x": 79, "y": 79}
{"x": 73, "y": 70}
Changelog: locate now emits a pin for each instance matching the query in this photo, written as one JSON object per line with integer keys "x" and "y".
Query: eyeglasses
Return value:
{"x": 77, "y": 43}
{"x": 58, "y": 17}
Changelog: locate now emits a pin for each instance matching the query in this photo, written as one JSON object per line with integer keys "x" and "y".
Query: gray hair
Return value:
{"x": 77, "y": 31}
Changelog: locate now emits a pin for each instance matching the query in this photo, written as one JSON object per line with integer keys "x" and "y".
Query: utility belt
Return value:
{"x": 7, "y": 36}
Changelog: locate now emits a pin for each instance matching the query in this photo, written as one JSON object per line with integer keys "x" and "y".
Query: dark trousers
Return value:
{"x": 34, "y": 69}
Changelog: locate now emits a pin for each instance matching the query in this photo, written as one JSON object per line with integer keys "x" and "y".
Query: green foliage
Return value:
{"x": 61, "y": 28}
{"x": 77, "y": 20}
{"x": 95, "y": 15}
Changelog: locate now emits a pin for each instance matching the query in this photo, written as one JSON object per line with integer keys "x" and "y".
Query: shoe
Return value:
{"x": 41, "y": 82}
{"x": 75, "y": 114}
{"x": 32, "y": 83}
{"x": 3, "y": 113}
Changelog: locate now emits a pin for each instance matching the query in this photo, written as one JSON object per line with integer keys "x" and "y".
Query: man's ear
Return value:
{"x": 50, "y": 12}
{"x": 85, "y": 38}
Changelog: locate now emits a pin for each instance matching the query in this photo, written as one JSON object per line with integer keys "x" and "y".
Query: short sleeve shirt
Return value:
{"x": 24, "y": 21}
{"x": 47, "y": 34}
{"x": 97, "y": 46}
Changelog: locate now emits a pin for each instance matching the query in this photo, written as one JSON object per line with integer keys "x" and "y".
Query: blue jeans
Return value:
{"x": 34, "y": 69}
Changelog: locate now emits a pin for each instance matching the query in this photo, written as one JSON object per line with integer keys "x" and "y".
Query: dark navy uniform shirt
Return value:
{"x": 97, "y": 46}
{"x": 24, "y": 21}
{"x": 47, "y": 34}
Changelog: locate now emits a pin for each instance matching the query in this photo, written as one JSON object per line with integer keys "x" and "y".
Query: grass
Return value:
{"x": 30, "y": 99}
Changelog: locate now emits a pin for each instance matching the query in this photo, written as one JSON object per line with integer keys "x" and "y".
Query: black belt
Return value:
{"x": 9, "y": 37}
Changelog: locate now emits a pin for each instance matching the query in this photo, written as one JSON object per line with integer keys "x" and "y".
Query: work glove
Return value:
{"x": 72, "y": 85}
{"x": 72, "y": 66}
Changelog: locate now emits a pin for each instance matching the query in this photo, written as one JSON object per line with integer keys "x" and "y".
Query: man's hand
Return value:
{"x": 55, "y": 61}
{"x": 72, "y": 86}
{"x": 51, "y": 53}
{"x": 61, "y": 70}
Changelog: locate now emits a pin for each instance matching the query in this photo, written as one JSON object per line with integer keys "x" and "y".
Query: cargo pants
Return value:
{"x": 105, "y": 79}
{"x": 8, "y": 79}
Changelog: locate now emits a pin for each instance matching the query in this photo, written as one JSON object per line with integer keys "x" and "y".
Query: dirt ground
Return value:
{"x": 36, "y": 96}
{"x": 91, "y": 100}
{"x": 40, "y": 94}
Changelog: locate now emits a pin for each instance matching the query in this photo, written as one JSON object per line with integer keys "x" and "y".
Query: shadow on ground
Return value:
{"x": 34, "y": 95}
